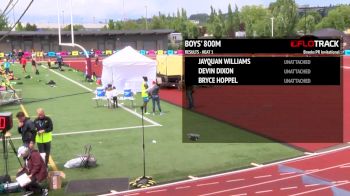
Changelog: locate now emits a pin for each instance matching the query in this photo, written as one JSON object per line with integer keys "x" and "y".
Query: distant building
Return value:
{"x": 195, "y": 22}
{"x": 240, "y": 34}
{"x": 323, "y": 10}
{"x": 329, "y": 32}
{"x": 100, "y": 40}
{"x": 347, "y": 31}
{"x": 175, "y": 38}
{"x": 87, "y": 26}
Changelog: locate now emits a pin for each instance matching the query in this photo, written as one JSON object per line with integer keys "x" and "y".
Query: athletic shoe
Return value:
{"x": 147, "y": 113}
{"x": 161, "y": 113}
{"x": 45, "y": 192}
{"x": 153, "y": 113}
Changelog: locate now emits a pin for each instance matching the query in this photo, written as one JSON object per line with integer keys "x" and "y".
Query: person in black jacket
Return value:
{"x": 44, "y": 127}
{"x": 26, "y": 128}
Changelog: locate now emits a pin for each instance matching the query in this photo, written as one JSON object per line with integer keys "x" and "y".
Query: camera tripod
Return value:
{"x": 7, "y": 142}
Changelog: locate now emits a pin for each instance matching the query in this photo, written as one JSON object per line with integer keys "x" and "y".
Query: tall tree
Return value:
{"x": 285, "y": 13}
{"x": 217, "y": 28}
{"x": 30, "y": 27}
{"x": 256, "y": 20}
{"x": 19, "y": 27}
{"x": 236, "y": 19}
{"x": 192, "y": 29}
{"x": 110, "y": 24}
{"x": 232, "y": 21}
{"x": 222, "y": 20}
{"x": 76, "y": 27}
{"x": 337, "y": 18}
{"x": 3, "y": 22}
{"x": 307, "y": 24}
{"x": 230, "y": 29}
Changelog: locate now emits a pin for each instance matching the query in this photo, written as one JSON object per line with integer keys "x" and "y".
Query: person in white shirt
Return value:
{"x": 112, "y": 97}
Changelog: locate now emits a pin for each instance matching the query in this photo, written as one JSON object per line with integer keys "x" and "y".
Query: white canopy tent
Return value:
{"x": 125, "y": 70}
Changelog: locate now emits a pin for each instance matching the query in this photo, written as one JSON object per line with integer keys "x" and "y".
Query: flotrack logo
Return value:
{"x": 314, "y": 43}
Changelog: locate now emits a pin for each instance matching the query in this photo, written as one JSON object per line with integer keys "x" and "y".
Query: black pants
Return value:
{"x": 115, "y": 102}
{"x": 155, "y": 100}
{"x": 189, "y": 95}
{"x": 33, "y": 185}
{"x": 45, "y": 148}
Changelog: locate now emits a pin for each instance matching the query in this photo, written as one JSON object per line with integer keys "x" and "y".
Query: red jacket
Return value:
{"x": 23, "y": 61}
{"x": 36, "y": 166}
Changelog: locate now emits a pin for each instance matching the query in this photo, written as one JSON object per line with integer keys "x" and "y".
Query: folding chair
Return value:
{"x": 85, "y": 157}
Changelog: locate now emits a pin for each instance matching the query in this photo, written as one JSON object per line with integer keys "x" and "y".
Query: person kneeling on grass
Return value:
{"x": 35, "y": 168}
{"x": 11, "y": 76}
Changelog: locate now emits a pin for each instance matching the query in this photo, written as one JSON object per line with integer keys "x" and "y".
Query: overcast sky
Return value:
{"x": 87, "y": 11}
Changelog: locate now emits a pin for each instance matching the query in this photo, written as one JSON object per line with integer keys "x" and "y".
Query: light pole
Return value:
{"x": 272, "y": 20}
{"x": 146, "y": 17}
{"x": 123, "y": 10}
{"x": 143, "y": 181}
{"x": 63, "y": 18}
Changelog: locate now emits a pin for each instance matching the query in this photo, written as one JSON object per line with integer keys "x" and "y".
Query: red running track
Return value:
{"x": 332, "y": 166}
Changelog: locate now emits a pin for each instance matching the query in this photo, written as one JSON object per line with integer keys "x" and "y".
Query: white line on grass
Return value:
{"x": 91, "y": 90}
{"x": 95, "y": 131}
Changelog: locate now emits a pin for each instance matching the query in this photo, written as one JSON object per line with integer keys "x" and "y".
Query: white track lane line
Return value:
{"x": 265, "y": 176}
{"x": 183, "y": 182}
{"x": 266, "y": 191}
{"x": 311, "y": 185}
{"x": 288, "y": 188}
{"x": 319, "y": 189}
{"x": 207, "y": 184}
{"x": 182, "y": 187}
{"x": 92, "y": 91}
{"x": 271, "y": 181}
{"x": 156, "y": 191}
{"x": 287, "y": 173}
{"x": 235, "y": 180}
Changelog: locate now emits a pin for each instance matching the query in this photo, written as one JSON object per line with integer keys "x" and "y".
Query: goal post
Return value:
{"x": 88, "y": 69}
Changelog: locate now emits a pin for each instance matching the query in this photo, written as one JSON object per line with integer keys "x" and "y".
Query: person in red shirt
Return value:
{"x": 35, "y": 168}
{"x": 24, "y": 63}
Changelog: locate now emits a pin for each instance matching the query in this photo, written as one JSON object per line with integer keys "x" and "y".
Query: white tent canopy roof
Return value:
{"x": 126, "y": 57}
{"x": 125, "y": 69}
